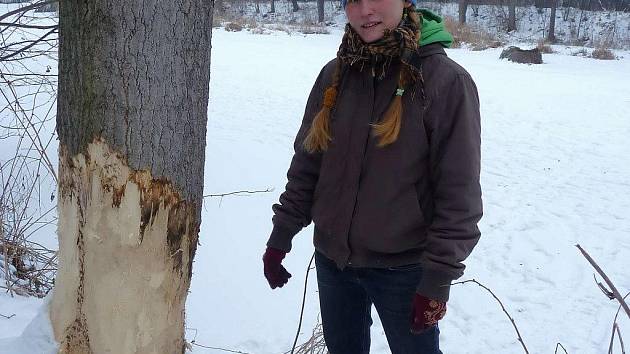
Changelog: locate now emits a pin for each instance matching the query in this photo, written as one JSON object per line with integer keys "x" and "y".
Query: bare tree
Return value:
{"x": 131, "y": 120}
{"x": 551, "y": 35}
{"x": 320, "y": 11}
{"x": 511, "y": 25}
{"x": 463, "y": 7}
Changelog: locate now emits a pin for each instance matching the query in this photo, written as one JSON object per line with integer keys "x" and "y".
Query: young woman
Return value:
{"x": 386, "y": 166}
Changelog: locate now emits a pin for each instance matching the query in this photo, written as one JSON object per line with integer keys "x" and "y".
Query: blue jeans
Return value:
{"x": 346, "y": 298}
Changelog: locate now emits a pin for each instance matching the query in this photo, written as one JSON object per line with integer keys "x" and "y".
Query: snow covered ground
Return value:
{"x": 556, "y": 161}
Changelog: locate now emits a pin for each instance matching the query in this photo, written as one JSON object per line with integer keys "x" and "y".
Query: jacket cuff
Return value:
{"x": 434, "y": 284}
{"x": 281, "y": 237}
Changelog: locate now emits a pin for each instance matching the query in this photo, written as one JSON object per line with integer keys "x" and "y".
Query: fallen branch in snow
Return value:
{"x": 297, "y": 334}
{"x": 315, "y": 344}
{"x": 193, "y": 342}
{"x": 606, "y": 279}
{"x": 237, "y": 192}
{"x": 520, "y": 339}
{"x": 217, "y": 348}
{"x": 559, "y": 345}
{"x": 7, "y": 317}
{"x": 615, "y": 329}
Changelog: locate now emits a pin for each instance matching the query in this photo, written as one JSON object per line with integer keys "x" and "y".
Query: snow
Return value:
{"x": 555, "y": 167}
{"x": 37, "y": 336}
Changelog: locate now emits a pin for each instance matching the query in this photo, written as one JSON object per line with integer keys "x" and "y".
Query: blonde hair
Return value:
{"x": 386, "y": 131}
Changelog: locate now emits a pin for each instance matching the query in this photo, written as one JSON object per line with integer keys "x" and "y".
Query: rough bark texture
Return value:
{"x": 135, "y": 73}
{"x": 131, "y": 120}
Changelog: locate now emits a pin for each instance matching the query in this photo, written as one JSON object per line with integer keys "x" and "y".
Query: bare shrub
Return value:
{"x": 476, "y": 37}
{"x": 603, "y": 54}
{"x": 233, "y": 27}
{"x": 580, "y": 53}
{"x": 28, "y": 86}
{"x": 315, "y": 344}
{"x": 313, "y": 29}
{"x": 544, "y": 47}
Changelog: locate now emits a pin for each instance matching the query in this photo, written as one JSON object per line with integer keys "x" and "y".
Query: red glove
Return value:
{"x": 426, "y": 313}
{"x": 275, "y": 273}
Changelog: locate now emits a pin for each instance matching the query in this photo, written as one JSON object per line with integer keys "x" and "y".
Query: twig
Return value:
{"x": 217, "y": 348}
{"x": 615, "y": 328}
{"x": 623, "y": 349}
{"x": 19, "y": 25}
{"x": 237, "y": 192}
{"x": 299, "y": 328}
{"x": 7, "y": 317}
{"x": 4, "y": 58}
{"x": 603, "y": 288}
{"x": 606, "y": 279}
{"x": 27, "y": 8}
{"x": 520, "y": 339}
{"x": 559, "y": 345}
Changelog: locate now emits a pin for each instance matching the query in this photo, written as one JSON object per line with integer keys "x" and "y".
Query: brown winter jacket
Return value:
{"x": 417, "y": 200}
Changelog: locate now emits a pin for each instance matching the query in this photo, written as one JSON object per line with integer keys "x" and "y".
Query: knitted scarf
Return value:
{"x": 399, "y": 43}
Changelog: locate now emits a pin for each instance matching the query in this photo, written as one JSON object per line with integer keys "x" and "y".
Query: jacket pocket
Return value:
{"x": 406, "y": 267}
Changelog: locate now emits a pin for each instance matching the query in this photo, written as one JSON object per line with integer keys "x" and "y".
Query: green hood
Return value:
{"x": 433, "y": 30}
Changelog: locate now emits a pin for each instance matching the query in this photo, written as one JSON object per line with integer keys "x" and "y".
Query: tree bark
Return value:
{"x": 320, "y": 11}
{"x": 131, "y": 120}
{"x": 463, "y": 7}
{"x": 511, "y": 16}
{"x": 551, "y": 35}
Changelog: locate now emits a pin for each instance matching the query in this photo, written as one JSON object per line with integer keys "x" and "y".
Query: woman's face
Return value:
{"x": 370, "y": 18}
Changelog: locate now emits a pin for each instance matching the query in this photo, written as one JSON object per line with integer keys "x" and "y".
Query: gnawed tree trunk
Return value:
{"x": 463, "y": 7}
{"x": 131, "y": 120}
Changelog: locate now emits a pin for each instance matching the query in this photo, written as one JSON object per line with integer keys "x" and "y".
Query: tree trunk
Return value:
{"x": 131, "y": 120}
{"x": 463, "y": 7}
{"x": 551, "y": 36}
{"x": 273, "y": 6}
{"x": 512, "y": 16}
{"x": 320, "y": 11}
{"x": 295, "y": 5}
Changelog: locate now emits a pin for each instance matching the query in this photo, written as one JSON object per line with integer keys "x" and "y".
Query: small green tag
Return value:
{"x": 399, "y": 92}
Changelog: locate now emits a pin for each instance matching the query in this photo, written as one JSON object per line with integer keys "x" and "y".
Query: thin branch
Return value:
{"x": 8, "y": 56}
{"x": 623, "y": 349}
{"x": 615, "y": 329}
{"x": 559, "y": 345}
{"x": 237, "y": 192}
{"x": 606, "y": 279}
{"x": 7, "y": 317}
{"x": 520, "y": 339}
{"x": 299, "y": 328}
{"x": 19, "y": 25}
{"x": 217, "y": 348}
{"x": 27, "y": 8}
{"x": 609, "y": 294}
